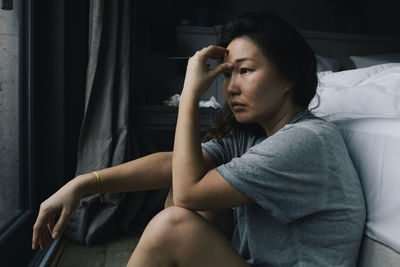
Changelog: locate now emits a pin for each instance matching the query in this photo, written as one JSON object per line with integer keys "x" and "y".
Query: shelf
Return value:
{"x": 159, "y": 117}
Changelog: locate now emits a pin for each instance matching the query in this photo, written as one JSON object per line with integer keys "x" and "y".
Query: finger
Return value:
{"x": 61, "y": 224}
{"x": 46, "y": 239}
{"x": 35, "y": 237}
{"x": 43, "y": 233}
{"x": 214, "y": 51}
{"x": 40, "y": 239}
{"x": 50, "y": 227}
{"x": 50, "y": 224}
{"x": 37, "y": 228}
{"x": 47, "y": 234}
{"x": 221, "y": 68}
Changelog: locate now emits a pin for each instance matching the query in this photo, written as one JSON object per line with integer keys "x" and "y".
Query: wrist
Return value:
{"x": 190, "y": 96}
{"x": 85, "y": 184}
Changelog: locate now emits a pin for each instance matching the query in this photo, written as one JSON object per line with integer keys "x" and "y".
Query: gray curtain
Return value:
{"x": 106, "y": 138}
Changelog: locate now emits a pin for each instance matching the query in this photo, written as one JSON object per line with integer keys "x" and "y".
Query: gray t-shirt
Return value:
{"x": 308, "y": 205}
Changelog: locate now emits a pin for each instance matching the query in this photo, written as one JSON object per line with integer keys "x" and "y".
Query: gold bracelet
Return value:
{"x": 98, "y": 185}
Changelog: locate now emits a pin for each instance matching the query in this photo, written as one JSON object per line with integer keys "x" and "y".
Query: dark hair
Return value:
{"x": 281, "y": 43}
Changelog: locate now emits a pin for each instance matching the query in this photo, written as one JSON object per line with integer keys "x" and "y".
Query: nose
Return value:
{"x": 231, "y": 86}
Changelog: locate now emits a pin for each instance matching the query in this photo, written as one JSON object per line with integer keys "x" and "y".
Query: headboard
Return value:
{"x": 329, "y": 44}
{"x": 342, "y": 45}
{"x": 338, "y": 46}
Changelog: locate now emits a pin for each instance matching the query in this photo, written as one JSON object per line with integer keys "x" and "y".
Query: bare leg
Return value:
{"x": 221, "y": 219}
{"x": 181, "y": 237}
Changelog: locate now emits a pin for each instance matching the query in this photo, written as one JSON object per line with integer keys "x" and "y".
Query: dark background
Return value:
{"x": 158, "y": 77}
{"x": 59, "y": 52}
{"x": 351, "y": 16}
{"x": 60, "y": 30}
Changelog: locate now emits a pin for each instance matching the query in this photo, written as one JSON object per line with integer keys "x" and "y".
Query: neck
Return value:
{"x": 282, "y": 117}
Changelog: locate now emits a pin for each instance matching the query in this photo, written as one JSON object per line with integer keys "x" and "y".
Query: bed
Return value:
{"x": 359, "y": 89}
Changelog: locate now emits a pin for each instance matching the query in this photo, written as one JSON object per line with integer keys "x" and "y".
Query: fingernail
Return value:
{"x": 54, "y": 235}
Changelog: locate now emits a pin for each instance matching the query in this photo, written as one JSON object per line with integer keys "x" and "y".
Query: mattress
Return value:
{"x": 373, "y": 254}
{"x": 374, "y": 147}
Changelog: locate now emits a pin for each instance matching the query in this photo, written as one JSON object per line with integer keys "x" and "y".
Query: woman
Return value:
{"x": 295, "y": 194}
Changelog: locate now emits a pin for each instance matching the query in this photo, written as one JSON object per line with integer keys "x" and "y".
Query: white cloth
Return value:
{"x": 374, "y": 146}
{"x": 212, "y": 103}
{"x": 372, "y": 92}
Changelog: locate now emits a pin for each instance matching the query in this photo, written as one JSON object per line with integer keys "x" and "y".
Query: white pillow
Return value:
{"x": 323, "y": 73}
{"x": 360, "y": 93}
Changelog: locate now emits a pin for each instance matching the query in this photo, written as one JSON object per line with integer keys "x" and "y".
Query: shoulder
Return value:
{"x": 301, "y": 138}
{"x": 311, "y": 129}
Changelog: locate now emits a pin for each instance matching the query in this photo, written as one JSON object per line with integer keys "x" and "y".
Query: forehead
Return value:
{"x": 244, "y": 47}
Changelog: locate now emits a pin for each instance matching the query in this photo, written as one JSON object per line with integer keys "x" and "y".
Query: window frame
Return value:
{"x": 13, "y": 235}
{"x": 41, "y": 104}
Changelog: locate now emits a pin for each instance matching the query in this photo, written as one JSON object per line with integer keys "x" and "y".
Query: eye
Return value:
{"x": 244, "y": 70}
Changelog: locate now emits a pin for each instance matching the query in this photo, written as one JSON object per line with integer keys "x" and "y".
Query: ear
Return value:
{"x": 288, "y": 85}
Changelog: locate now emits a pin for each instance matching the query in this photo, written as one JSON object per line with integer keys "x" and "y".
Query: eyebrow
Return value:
{"x": 242, "y": 59}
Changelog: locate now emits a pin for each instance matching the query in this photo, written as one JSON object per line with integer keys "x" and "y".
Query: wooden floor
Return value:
{"x": 111, "y": 254}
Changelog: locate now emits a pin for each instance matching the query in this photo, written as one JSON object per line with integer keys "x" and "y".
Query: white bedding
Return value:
{"x": 365, "y": 105}
{"x": 374, "y": 147}
{"x": 360, "y": 93}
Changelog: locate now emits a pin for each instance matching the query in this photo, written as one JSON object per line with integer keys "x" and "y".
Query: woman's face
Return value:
{"x": 254, "y": 90}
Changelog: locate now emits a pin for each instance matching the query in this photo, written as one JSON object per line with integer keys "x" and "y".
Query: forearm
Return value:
{"x": 188, "y": 165}
{"x": 147, "y": 173}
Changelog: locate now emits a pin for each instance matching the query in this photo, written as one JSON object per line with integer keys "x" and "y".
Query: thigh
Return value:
{"x": 188, "y": 239}
{"x": 204, "y": 245}
{"x": 221, "y": 219}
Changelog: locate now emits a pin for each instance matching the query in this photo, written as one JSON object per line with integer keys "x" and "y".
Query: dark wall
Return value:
{"x": 157, "y": 78}
{"x": 352, "y": 16}
{"x": 64, "y": 35}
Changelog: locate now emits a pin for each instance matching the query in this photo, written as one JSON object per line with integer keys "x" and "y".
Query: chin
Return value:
{"x": 244, "y": 118}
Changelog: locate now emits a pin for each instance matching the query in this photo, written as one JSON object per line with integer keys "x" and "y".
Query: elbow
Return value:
{"x": 183, "y": 201}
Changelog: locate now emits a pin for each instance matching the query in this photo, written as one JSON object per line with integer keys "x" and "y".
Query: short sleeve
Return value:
{"x": 219, "y": 152}
{"x": 285, "y": 174}
{"x": 231, "y": 146}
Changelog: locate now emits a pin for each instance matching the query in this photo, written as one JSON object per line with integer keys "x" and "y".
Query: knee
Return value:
{"x": 164, "y": 228}
{"x": 162, "y": 238}
{"x": 173, "y": 217}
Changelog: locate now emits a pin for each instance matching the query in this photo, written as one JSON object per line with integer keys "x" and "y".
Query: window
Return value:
{"x": 10, "y": 123}
{"x": 52, "y": 38}
{"x": 16, "y": 209}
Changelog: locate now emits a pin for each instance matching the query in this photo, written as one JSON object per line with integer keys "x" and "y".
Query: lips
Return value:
{"x": 233, "y": 104}
{"x": 237, "y": 106}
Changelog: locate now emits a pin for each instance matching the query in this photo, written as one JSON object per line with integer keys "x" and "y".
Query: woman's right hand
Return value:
{"x": 62, "y": 203}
